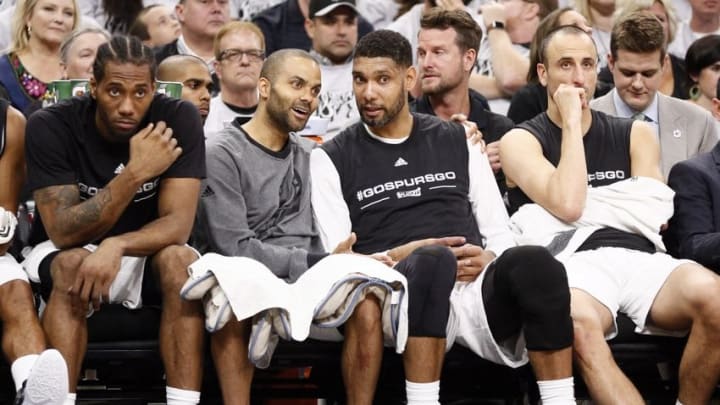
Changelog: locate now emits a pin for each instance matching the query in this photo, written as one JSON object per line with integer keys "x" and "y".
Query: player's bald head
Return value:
{"x": 173, "y": 67}
{"x": 279, "y": 61}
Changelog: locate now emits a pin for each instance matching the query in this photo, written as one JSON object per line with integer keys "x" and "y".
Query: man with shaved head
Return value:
{"x": 255, "y": 203}
{"x": 194, "y": 75}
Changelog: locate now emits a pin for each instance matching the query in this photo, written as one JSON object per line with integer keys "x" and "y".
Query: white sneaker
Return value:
{"x": 48, "y": 381}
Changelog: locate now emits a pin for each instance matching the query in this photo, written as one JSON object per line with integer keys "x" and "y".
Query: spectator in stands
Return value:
{"x": 675, "y": 81}
{"x": 33, "y": 61}
{"x": 636, "y": 60}
{"x": 194, "y": 75}
{"x": 283, "y": 25}
{"x": 78, "y": 50}
{"x": 40, "y": 375}
{"x": 569, "y": 161}
{"x": 200, "y": 20}
{"x": 333, "y": 30}
{"x": 239, "y": 54}
{"x": 600, "y": 15}
{"x": 256, "y": 204}
{"x": 531, "y": 100}
{"x": 703, "y": 64}
{"x": 503, "y": 60}
{"x": 156, "y": 25}
{"x": 704, "y": 20}
{"x": 247, "y": 9}
{"x": 398, "y": 180}
{"x": 447, "y": 48}
{"x": 115, "y": 177}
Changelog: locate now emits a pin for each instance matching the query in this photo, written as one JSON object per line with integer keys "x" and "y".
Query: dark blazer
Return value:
{"x": 694, "y": 230}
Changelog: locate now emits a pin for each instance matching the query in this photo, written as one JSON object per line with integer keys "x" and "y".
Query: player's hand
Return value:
{"x": 346, "y": 245}
{"x": 492, "y": 12}
{"x": 152, "y": 151}
{"x": 400, "y": 252}
{"x": 472, "y": 132}
{"x": 570, "y": 101}
{"x": 493, "y": 153}
{"x": 384, "y": 259}
{"x": 471, "y": 260}
{"x": 96, "y": 273}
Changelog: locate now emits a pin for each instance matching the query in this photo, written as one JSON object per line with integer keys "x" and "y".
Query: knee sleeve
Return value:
{"x": 538, "y": 285}
{"x": 430, "y": 272}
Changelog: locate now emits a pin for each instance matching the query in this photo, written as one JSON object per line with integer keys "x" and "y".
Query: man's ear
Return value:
{"x": 310, "y": 28}
{"x": 264, "y": 88}
{"x": 410, "y": 77}
{"x": 542, "y": 74}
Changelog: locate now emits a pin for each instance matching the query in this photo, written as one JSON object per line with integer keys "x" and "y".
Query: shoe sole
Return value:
{"x": 48, "y": 380}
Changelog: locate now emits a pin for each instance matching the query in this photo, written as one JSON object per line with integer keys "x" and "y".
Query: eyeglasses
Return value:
{"x": 236, "y": 55}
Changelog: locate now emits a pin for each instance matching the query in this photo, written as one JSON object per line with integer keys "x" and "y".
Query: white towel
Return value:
{"x": 323, "y": 297}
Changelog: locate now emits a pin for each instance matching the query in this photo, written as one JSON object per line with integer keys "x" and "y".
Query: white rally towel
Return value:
{"x": 322, "y": 298}
{"x": 639, "y": 205}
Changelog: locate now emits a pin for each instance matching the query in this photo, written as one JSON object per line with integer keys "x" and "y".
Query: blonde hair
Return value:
{"x": 234, "y": 26}
{"x": 625, "y": 7}
{"x": 23, "y": 11}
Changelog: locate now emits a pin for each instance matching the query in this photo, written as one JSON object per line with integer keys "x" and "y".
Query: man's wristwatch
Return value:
{"x": 496, "y": 25}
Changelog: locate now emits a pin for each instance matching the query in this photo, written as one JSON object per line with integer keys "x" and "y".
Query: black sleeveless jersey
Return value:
{"x": 397, "y": 193}
{"x": 607, "y": 150}
{"x": 607, "y": 156}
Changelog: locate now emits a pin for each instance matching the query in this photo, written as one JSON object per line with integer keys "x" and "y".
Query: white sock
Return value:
{"x": 70, "y": 400}
{"x": 176, "y": 396}
{"x": 423, "y": 393}
{"x": 21, "y": 367}
{"x": 677, "y": 402}
{"x": 557, "y": 392}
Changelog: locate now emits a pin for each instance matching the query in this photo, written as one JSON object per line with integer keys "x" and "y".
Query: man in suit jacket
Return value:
{"x": 684, "y": 129}
{"x": 694, "y": 230}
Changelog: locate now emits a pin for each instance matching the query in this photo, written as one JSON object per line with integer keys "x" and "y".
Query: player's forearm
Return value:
{"x": 153, "y": 237}
{"x": 485, "y": 85}
{"x": 568, "y": 184}
{"x": 74, "y": 225}
{"x": 509, "y": 67}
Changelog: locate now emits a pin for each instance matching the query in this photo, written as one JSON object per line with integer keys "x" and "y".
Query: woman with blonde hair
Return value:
{"x": 33, "y": 60}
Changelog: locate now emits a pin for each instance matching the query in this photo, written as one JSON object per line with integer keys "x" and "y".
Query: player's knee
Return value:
{"x": 171, "y": 266}
{"x": 435, "y": 269}
{"x": 367, "y": 314}
{"x": 704, "y": 297}
{"x": 64, "y": 268}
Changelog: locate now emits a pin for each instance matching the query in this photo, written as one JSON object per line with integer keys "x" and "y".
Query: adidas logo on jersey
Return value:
{"x": 401, "y": 162}
{"x": 120, "y": 168}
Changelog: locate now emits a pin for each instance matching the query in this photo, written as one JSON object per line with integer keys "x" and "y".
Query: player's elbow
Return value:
{"x": 510, "y": 83}
{"x": 569, "y": 211}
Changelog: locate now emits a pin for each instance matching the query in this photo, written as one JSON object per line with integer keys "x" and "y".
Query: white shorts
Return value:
{"x": 126, "y": 289}
{"x": 469, "y": 327}
{"x": 624, "y": 281}
{"x": 11, "y": 270}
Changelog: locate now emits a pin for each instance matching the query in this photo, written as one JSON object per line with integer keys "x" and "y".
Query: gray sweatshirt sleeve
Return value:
{"x": 222, "y": 220}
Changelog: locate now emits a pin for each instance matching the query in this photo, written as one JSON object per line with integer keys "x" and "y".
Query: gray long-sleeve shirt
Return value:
{"x": 256, "y": 203}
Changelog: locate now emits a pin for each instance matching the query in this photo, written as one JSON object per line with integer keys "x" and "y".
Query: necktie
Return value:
{"x": 638, "y": 116}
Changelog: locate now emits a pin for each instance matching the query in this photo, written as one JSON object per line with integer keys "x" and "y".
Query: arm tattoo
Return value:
{"x": 90, "y": 211}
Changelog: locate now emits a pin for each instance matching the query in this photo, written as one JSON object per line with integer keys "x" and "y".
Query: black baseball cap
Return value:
{"x": 319, "y": 8}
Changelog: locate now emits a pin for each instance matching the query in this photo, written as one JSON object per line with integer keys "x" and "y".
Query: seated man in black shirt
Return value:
{"x": 194, "y": 75}
{"x": 40, "y": 375}
{"x": 398, "y": 180}
{"x": 569, "y": 161}
{"x": 116, "y": 178}
{"x": 448, "y": 43}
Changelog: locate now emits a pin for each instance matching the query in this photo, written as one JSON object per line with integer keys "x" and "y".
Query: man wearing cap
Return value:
{"x": 284, "y": 24}
{"x": 333, "y": 29}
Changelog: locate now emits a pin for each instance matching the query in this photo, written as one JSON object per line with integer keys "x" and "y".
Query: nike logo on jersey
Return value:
{"x": 120, "y": 168}
{"x": 401, "y": 162}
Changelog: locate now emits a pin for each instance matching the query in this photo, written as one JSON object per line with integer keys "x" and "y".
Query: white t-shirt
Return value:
{"x": 684, "y": 37}
{"x": 219, "y": 117}
{"x": 336, "y": 102}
